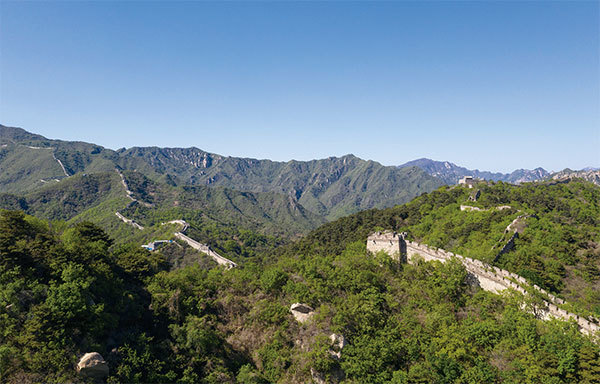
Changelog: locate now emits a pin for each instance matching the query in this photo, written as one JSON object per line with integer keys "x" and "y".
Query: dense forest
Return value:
{"x": 67, "y": 289}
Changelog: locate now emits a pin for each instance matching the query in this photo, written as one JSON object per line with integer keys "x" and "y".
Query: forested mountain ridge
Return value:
{"x": 266, "y": 212}
{"x": 330, "y": 187}
{"x": 557, "y": 247}
{"x": 228, "y": 220}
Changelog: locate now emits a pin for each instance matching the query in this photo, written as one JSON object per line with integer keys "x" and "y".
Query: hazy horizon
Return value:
{"x": 488, "y": 86}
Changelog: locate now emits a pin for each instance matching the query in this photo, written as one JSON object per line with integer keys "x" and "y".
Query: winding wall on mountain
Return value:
{"x": 180, "y": 235}
{"x": 495, "y": 279}
{"x": 489, "y": 278}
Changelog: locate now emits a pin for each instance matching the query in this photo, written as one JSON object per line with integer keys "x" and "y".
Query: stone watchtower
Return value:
{"x": 390, "y": 242}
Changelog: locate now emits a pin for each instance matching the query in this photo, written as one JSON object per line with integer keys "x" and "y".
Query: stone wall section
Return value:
{"x": 496, "y": 280}
{"x": 207, "y": 250}
{"x": 391, "y": 243}
{"x": 510, "y": 244}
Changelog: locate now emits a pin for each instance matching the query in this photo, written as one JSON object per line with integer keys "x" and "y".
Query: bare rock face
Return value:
{"x": 92, "y": 365}
{"x": 302, "y": 312}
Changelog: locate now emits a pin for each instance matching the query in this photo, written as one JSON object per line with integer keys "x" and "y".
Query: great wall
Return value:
{"x": 60, "y": 163}
{"x": 489, "y": 278}
{"x": 204, "y": 248}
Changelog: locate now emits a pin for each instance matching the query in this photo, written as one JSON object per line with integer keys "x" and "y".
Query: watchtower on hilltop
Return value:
{"x": 392, "y": 243}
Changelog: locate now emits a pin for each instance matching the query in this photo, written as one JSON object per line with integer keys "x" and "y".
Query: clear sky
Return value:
{"x": 488, "y": 85}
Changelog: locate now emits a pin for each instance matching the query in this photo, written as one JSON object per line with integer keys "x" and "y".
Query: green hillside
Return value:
{"x": 331, "y": 187}
{"x": 268, "y": 212}
{"x": 64, "y": 291}
{"x": 23, "y": 168}
{"x": 236, "y": 224}
{"x": 558, "y": 249}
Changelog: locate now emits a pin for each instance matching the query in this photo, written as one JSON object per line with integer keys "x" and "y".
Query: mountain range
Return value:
{"x": 75, "y": 281}
{"x": 451, "y": 173}
{"x": 316, "y": 190}
{"x": 329, "y": 188}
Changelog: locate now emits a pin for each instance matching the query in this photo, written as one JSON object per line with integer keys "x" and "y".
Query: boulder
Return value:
{"x": 302, "y": 312}
{"x": 92, "y": 365}
{"x": 338, "y": 342}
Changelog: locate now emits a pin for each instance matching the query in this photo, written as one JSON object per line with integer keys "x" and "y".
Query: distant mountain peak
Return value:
{"x": 450, "y": 173}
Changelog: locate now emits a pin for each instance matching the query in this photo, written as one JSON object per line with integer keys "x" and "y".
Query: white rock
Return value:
{"x": 302, "y": 312}
{"x": 92, "y": 365}
{"x": 338, "y": 342}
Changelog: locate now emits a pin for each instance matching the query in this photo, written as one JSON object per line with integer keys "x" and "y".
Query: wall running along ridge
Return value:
{"x": 189, "y": 241}
{"x": 206, "y": 249}
{"x": 488, "y": 277}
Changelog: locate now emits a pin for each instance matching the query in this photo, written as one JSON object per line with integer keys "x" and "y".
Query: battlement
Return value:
{"x": 389, "y": 242}
{"x": 385, "y": 236}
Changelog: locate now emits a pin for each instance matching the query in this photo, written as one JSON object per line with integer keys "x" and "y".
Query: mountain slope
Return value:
{"x": 332, "y": 187}
{"x": 25, "y": 168}
{"x": 266, "y": 212}
{"x": 65, "y": 292}
{"x": 329, "y": 187}
{"x": 557, "y": 247}
{"x": 450, "y": 173}
{"x": 217, "y": 215}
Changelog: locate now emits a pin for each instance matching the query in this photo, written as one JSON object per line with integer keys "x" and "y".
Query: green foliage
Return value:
{"x": 249, "y": 375}
{"x": 138, "y": 261}
{"x": 273, "y": 280}
{"x": 274, "y": 357}
{"x": 557, "y": 248}
{"x": 69, "y": 290}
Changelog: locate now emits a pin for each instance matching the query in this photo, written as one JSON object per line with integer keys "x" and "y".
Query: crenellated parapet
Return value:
{"x": 392, "y": 243}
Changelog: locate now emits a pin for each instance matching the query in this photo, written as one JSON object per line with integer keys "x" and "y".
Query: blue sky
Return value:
{"x": 488, "y": 85}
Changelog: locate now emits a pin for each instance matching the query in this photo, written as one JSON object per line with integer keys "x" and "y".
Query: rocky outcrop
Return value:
{"x": 338, "y": 342}
{"x": 92, "y": 365}
{"x": 591, "y": 175}
{"x": 302, "y": 312}
{"x": 317, "y": 377}
{"x": 336, "y": 375}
